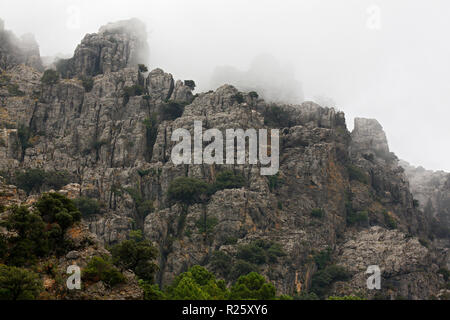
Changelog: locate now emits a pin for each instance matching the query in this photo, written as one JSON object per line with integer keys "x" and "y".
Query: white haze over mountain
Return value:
{"x": 380, "y": 59}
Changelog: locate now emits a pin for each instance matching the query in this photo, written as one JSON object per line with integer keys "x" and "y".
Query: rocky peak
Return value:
{"x": 15, "y": 51}
{"x": 368, "y": 136}
{"x": 116, "y": 46}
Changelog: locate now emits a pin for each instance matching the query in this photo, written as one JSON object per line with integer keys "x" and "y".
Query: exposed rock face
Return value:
{"x": 432, "y": 190}
{"x": 368, "y": 136}
{"x": 116, "y": 46}
{"x": 408, "y": 269}
{"x": 117, "y": 148}
{"x": 386, "y": 179}
{"x": 10, "y": 195}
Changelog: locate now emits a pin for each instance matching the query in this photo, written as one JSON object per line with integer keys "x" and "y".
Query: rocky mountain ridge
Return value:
{"x": 336, "y": 191}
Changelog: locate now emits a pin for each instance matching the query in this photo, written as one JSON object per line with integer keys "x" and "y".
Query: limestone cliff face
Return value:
{"x": 117, "y": 147}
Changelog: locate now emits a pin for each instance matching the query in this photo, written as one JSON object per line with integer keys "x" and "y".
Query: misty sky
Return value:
{"x": 383, "y": 59}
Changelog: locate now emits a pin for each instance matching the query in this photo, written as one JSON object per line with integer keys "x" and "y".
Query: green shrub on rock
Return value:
{"x": 102, "y": 269}
{"x": 317, "y": 213}
{"x": 187, "y": 190}
{"x": 357, "y": 174}
{"x": 323, "y": 279}
{"x": 19, "y": 284}
{"x": 227, "y": 179}
{"x": 56, "y": 208}
{"x": 137, "y": 256}
{"x": 50, "y": 77}
{"x": 88, "y": 83}
{"x": 87, "y": 206}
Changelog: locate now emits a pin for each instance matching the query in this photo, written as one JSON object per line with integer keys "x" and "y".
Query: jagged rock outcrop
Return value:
{"x": 409, "y": 270}
{"x": 384, "y": 178}
{"x": 368, "y": 136}
{"x": 116, "y": 46}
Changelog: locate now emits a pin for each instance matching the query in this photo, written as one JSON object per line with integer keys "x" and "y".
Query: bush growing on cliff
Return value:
{"x": 172, "y": 110}
{"x": 323, "y": 279}
{"x": 317, "y": 213}
{"x": 29, "y": 180}
{"x": 102, "y": 269}
{"x": 260, "y": 251}
{"x": 355, "y": 173}
{"x": 151, "y": 291}
{"x": 238, "y": 97}
{"x": 87, "y": 206}
{"x": 88, "y": 83}
{"x": 274, "y": 181}
{"x": 323, "y": 258}
{"x": 31, "y": 240}
{"x": 50, "y": 77}
{"x": 276, "y": 117}
{"x": 41, "y": 231}
{"x": 357, "y": 217}
{"x": 252, "y": 253}
{"x": 56, "y": 208}
{"x": 389, "y": 220}
{"x": 142, "y": 68}
{"x": 253, "y": 95}
{"x": 240, "y": 268}
{"x": 19, "y": 284}
{"x": 190, "y": 84}
{"x": 137, "y": 256}
{"x": 227, "y": 179}
{"x": 56, "y": 179}
{"x": 134, "y": 90}
{"x": 188, "y": 190}
{"x": 221, "y": 263}
{"x": 36, "y": 179}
